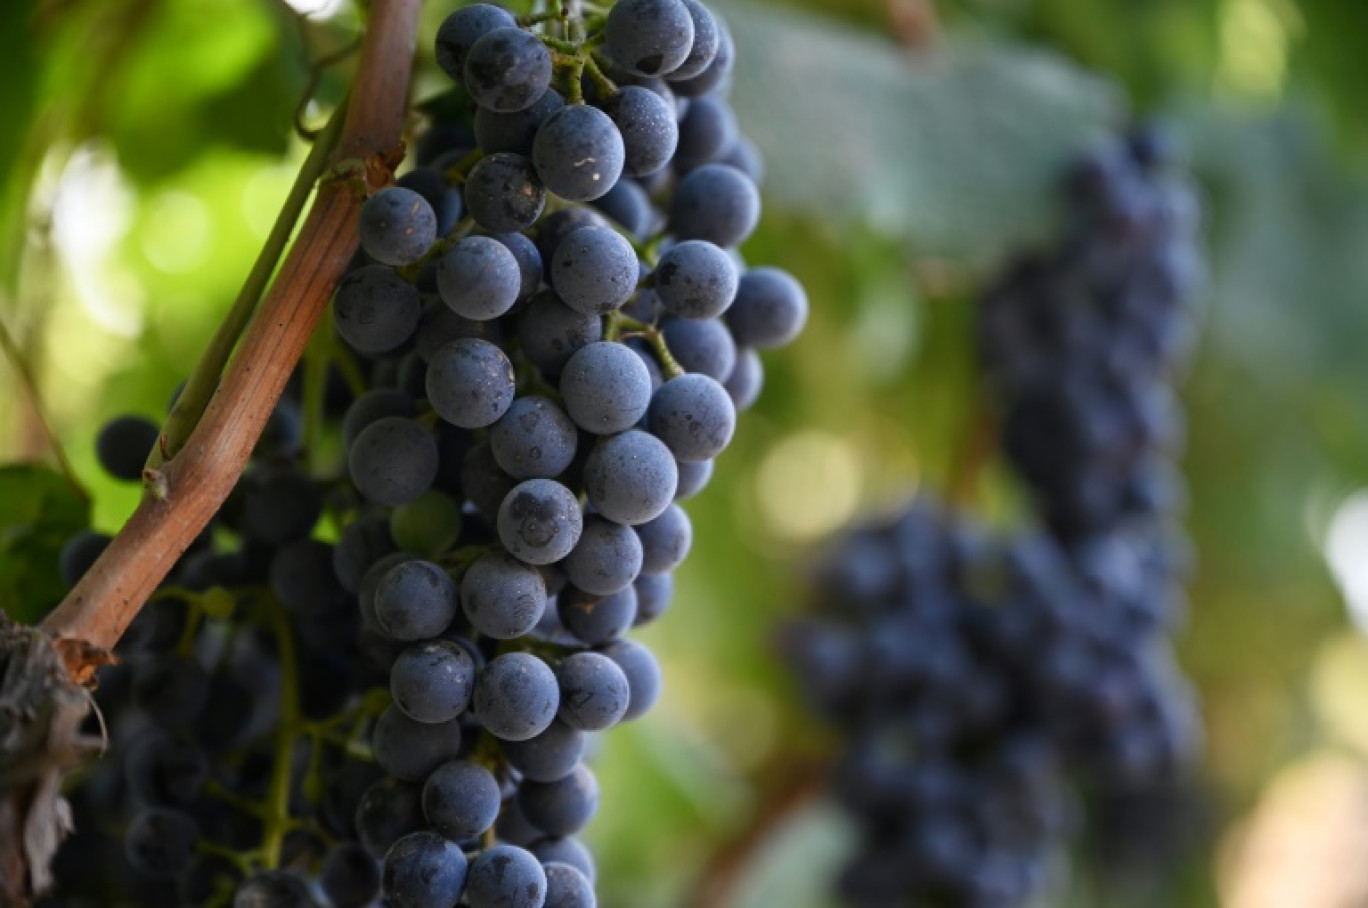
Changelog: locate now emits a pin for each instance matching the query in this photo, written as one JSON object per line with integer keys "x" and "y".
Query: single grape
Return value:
{"x": 716, "y": 203}
{"x": 534, "y": 439}
{"x": 429, "y": 525}
{"x": 443, "y": 144}
{"x": 461, "y": 800}
{"x": 716, "y": 74}
{"x": 594, "y": 693}
{"x": 397, "y": 226}
{"x": 80, "y": 552}
{"x": 707, "y": 132}
{"x": 444, "y": 198}
{"x": 594, "y": 270}
{"x": 375, "y": 310}
{"x": 502, "y": 597}
{"x": 506, "y": 876}
{"x": 628, "y": 205}
{"x": 549, "y": 756}
{"x": 370, "y": 582}
{"x": 746, "y": 379}
{"x": 695, "y": 279}
{"x": 507, "y": 70}
{"x": 650, "y": 132}
{"x": 424, "y": 870}
{"x": 393, "y": 460}
{"x": 701, "y": 345}
{"x": 375, "y": 404}
{"x": 606, "y": 559}
{"x": 595, "y": 620}
{"x": 557, "y": 225}
{"x": 515, "y": 132}
{"x": 389, "y": 810}
{"x": 563, "y": 807}
{"x": 516, "y": 697}
{"x": 460, "y": 30}
{"x": 707, "y": 40}
{"x": 529, "y": 263}
{"x": 123, "y": 445}
{"x": 653, "y": 595}
{"x": 745, "y": 157}
{"x": 486, "y": 485}
{"x": 606, "y": 388}
{"x": 649, "y": 37}
{"x": 540, "y": 521}
{"x": 631, "y": 478}
{"x": 665, "y": 541}
{"x": 350, "y": 877}
{"x": 578, "y": 153}
{"x": 433, "y": 681}
{"x": 642, "y": 670}
{"x": 440, "y": 326}
{"x": 410, "y": 750}
{"x": 567, "y": 887}
{"x": 694, "y": 416}
{"x": 770, "y": 309}
{"x": 415, "y": 600}
{"x": 478, "y": 277}
{"x": 693, "y": 478}
{"x": 504, "y": 194}
{"x": 567, "y": 850}
{"x": 160, "y": 842}
{"x": 550, "y": 332}
{"x": 279, "y": 504}
{"x": 470, "y": 383}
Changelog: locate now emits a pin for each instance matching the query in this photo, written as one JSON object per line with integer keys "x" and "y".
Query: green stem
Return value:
{"x": 316, "y": 358}
{"x": 538, "y": 19}
{"x": 458, "y": 172}
{"x": 199, "y": 388}
{"x": 241, "y": 860}
{"x": 346, "y": 363}
{"x": 186, "y": 645}
{"x": 604, "y": 85}
{"x": 277, "y": 820}
{"x": 621, "y": 327}
{"x": 21, "y": 366}
{"x": 216, "y": 790}
{"x": 440, "y": 248}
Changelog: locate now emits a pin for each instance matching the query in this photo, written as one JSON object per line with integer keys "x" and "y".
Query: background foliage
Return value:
{"x": 148, "y": 144}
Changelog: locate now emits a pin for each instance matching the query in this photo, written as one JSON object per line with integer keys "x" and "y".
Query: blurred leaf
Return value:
{"x": 958, "y": 149}
{"x": 38, "y": 512}
{"x": 191, "y": 83}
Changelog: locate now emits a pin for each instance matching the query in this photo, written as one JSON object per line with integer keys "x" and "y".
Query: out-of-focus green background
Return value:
{"x": 146, "y": 146}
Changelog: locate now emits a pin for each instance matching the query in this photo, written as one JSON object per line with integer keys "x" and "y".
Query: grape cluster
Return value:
{"x": 976, "y": 674}
{"x": 540, "y": 347}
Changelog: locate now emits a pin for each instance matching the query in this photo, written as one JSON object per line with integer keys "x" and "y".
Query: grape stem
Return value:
{"x": 204, "y": 378}
{"x": 88, "y": 623}
{"x": 277, "y": 820}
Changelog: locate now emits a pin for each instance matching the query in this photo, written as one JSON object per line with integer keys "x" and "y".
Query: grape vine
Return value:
{"x": 375, "y": 674}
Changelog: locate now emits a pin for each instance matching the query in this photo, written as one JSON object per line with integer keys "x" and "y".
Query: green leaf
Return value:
{"x": 959, "y": 149}
{"x": 39, "y": 511}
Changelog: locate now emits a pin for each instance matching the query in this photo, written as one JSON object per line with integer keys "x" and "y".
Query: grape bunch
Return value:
{"x": 977, "y": 676}
{"x": 539, "y": 349}
{"x": 1082, "y": 348}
